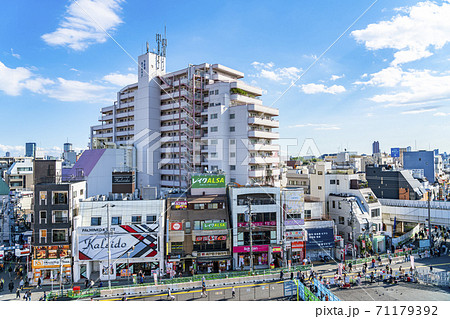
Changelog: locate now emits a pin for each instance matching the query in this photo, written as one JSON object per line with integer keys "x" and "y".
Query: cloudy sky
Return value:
{"x": 344, "y": 73}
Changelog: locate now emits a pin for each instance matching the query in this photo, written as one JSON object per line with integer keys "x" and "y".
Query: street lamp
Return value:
{"x": 108, "y": 231}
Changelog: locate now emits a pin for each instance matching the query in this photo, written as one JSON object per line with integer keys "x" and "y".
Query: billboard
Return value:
{"x": 395, "y": 152}
{"x": 212, "y": 226}
{"x": 176, "y": 226}
{"x": 318, "y": 238}
{"x": 208, "y": 181}
{"x": 294, "y": 201}
{"x": 180, "y": 204}
{"x": 134, "y": 241}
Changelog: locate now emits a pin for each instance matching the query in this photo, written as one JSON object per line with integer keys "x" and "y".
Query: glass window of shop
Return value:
{"x": 259, "y": 238}
{"x": 59, "y": 235}
{"x": 210, "y": 245}
{"x": 258, "y": 259}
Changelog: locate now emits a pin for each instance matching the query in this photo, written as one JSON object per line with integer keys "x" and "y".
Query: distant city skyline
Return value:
{"x": 385, "y": 80}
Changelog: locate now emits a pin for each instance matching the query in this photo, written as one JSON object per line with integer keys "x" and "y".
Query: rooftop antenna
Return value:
{"x": 163, "y": 51}
{"x": 147, "y": 46}
{"x": 158, "y": 52}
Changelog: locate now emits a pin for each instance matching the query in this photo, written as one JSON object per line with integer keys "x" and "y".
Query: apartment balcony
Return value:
{"x": 257, "y": 173}
{"x": 174, "y": 105}
{"x": 171, "y": 117}
{"x": 265, "y": 122}
{"x": 264, "y": 160}
{"x": 167, "y": 139}
{"x": 263, "y": 109}
{"x": 263, "y": 134}
{"x": 106, "y": 117}
{"x": 125, "y": 133}
{"x": 102, "y": 135}
{"x": 107, "y": 109}
{"x": 172, "y": 172}
{"x": 204, "y": 149}
{"x": 248, "y": 88}
{"x": 264, "y": 147}
{"x": 173, "y": 149}
{"x": 174, "y": 95}
{"x": 124, "y": 114}
{"x": 172, "y": 161}
{"x": 102, "y": 127}
{"x": 173, "y": 184}
{"x": 125, "y": 123}
{"x": 175, "y": 127}
{"x": 245, "y": 99}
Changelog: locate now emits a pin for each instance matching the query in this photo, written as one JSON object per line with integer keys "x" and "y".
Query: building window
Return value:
{"x": 334, "y": 204}
{"x": 319, "y": 187}
{"x": 213, "y": 116}
{"x": 151, "y": 219}
{"x": 232, "y": 142}
{"x": 341, "y": 220}
{"x": 197, "y": 225}
{"x": 232, "y": 154}
{"x": 136, "y": 219}
{"x": 214, "y": 168}
{"x": 337, "y": 182}
{"x": 199, "y": 206}
{"x": 339, "y": 205}
{"x": 59, "y": 235}
{"x": 214, "y": 129}
{"x": 308, "y": 214}
{"x": 232, "y": 167}
{"x": 232, "y": 116}
{"x": 116, "y": 220}
{"x": 176, "y": 247}
{"x": 43, "y": 198}
{"x": 96, "y": 221}
{"x": 43, "y": 217}
{"x": 233, "y": 180}
{"x": 59, "y": 198}
{"x": 43, "y": 236}
{"x": 232, "y": 129}
{"x": 214, "y": 155}
{"x": 60, "y": 216}
{"x": 217, "y": 92}
{"x": 213, "y": 142}
{"x": 319, "y": 173}
{"x": 375, "y": 212}
{"x": 213, "y": 206}
{"x": 332, "y": 181}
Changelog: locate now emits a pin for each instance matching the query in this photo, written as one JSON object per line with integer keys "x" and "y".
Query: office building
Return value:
{"x": 375, "y": 147}
{"x": 30, "y": 150}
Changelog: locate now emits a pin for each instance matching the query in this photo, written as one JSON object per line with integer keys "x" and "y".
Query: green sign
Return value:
{"x": 208, "y": 181}
{"x": 211, "y": 226}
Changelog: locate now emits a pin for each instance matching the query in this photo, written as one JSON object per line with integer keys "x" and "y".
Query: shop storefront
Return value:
{"x": 320, "y": 242}
{"x": 378, "y": 244}
{"x": 213, "y": 262}
{"x": 242, "y": 256}
{"x": 51, "y": 270}
{"x": 277, "y": 256}
{"x": 297, "y": 252}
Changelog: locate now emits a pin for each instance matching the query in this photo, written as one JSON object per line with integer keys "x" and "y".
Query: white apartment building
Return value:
{"x": 202, "y": 118}
{"x": 20, "y": 175}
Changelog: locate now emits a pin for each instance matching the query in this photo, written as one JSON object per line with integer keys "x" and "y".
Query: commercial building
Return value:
{"x": 30, "y": 150}
{"x": 423, "y": 161}
{"x": 69, "y": 156}
{"x": 375, "y": 147}
{"x": 136, "y": 238}
{"x": 55, "y": 205}
{"x": 259, "y": 208}
{"x": 200, "y": 119}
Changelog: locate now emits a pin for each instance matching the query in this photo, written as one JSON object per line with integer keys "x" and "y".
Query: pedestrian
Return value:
{"x": 18, "y": 293}
{"x": 298, "y": 275}
{"x": 431, "y": 268}
{"x": 25, "y": 296}
{"x": 2, "y": 283}
{"x": 281, "y": 274}
{"x": 21, "y": 283}
{"x": 350, "y": 266}
{"x": 233, "y": 293}
{"x": 10, "y": 271}
{"x": 45, "y": 296}
{"x": 39, "y": 282}
{"x": 204, "y": 291}
{"x": 100, "y": 284}
{"x": 373, "y": 262}
{"x": 292, "y": 275}
{"x": 11, "y": 286}
{"x": 86, "y": 283}
{"x": 29, "y": 295}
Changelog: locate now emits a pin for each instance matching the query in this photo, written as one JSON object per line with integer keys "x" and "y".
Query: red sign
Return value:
{"x": 246, "y": 249}
{"x": 210, "y": 238}
{"x": 298, "y": 245}
{"x": 176, "y": 226}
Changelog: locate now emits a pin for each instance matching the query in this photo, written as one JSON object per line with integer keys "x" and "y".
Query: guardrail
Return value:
{"x": 325, "y": 292}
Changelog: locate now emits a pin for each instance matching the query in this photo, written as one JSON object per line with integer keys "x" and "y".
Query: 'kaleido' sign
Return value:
{"x": 208, "y": 181}
{"x": 133, "y": 241}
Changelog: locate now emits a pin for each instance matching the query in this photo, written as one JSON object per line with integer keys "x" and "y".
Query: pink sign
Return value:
{"x": 246, "y": 249}
{"x": 271, "y": 223}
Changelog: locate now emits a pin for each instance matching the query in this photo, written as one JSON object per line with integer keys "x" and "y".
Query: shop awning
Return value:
{"x": 213, "y": 258}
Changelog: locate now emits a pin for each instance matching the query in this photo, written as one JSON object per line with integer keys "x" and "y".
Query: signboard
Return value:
{"x": 211, "y": 226}
{"x": 208, "y": 181}
{"x": 122, "y": 179}
{"x": 51, "y": 263}
{"x": 176, "y": 226}
{"x": 301, "y": 235}
{"x": 270, "y": 223}
{"x": 213, "y": 253}
{"x": 424, "y": 243}
{"x": 210, "y": 238}
{"x": 276, "y": 249}
{"x": 294, "y": 222}
{"x": 134, "y": 241}
{"x": 395, "y": 152}
{"x": 182, "y": 204}
{"x": 294, "y": 201}
{"x": 297, "y": 245}
{"x": 318, "y": 238}
{"x": 51, "y": 252}
{"x": 246, "y": 249}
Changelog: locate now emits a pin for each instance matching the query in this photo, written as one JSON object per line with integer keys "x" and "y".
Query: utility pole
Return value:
{"x": 249, "y": 203}
{"x": 108, "y": 233}
{"x": 429, "y": 221}
{"x": 353, "y": 228}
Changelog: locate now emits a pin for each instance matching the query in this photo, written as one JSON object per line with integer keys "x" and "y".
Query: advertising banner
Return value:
{"x": 269, "y": 223}
{"x": 208, "y": 181}
{"x": 298, "y": 245}
{"x": 320, "y": 238}
{"x": 133, "y": 241}
{"x": 301, "y": 235}
{"x": 176, "y": 226}
{"x": 395, "y": 152}
{"x": 210, "y": 238}
{"x": 182, "y": 204}
{"x": 212, "y": 226}
{"x": 246, "y": 249}
{"x": 294, "y": 201}
{"x": 294, "y": 222}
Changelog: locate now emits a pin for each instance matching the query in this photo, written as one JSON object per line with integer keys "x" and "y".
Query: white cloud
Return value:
{"x": 15, "y": 150}
{"x": 121, "y": 79}
{"x": 419, "y": 111}
{"x": 441, "y": 114}
{"x": 73, "y": 91}
{"x": 84, "y": 24}
{"x": 313, "y": 88}
{"x": 317, "y": 127}
{"x": 336, "y": 77}
{"x": 267, "y": 71}
{"x": 17, "y": 56}
{"x": 411, "y": 86}
{"x": 424, "y": 26}
{"x": 13, "y": 81}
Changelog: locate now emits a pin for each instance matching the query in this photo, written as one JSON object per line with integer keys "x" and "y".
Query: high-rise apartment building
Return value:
{"x": 375, "y": 147}
{"x": 30, "y": 150}
{"x": 199, "y": 119}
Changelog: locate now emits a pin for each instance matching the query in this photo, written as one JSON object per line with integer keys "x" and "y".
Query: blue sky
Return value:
{"x": 386, "y": 79}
